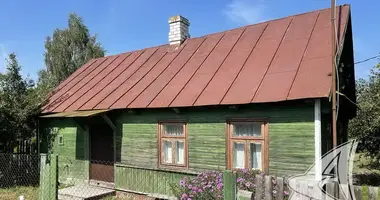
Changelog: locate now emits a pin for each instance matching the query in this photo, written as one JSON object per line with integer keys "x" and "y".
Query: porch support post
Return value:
{"x": 112, "y": 125}
{"x": 318, "y": 140}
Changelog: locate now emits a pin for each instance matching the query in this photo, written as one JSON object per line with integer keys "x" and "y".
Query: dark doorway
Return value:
{"x": 102, "y": 161}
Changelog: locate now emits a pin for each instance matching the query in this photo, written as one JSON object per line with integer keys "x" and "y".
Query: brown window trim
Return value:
{"x": 248, "y": 139}
{"x": 162, "y": 137}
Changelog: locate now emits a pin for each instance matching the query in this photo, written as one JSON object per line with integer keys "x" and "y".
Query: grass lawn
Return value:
{"x": 365, "y": 173}
{"x": 30, "y": 193}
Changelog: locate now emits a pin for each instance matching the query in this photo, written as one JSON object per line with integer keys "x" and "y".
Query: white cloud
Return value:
{"x": 245, "y": 11}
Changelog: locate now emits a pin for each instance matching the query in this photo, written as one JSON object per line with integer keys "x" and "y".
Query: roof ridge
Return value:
{"x": 240, "y": 27}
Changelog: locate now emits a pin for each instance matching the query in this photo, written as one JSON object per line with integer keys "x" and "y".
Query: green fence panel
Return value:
{"x": 229, "y": 185}
{"x": 48, "y": 177}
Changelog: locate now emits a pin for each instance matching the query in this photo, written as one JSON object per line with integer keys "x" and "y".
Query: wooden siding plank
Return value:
{"x": 291, "y": 138}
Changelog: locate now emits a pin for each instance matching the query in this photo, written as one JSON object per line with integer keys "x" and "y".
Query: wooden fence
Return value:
{"x": 19, "y": 170}
{"x": 20, "y": 146}
{"x": 272, "y": 188}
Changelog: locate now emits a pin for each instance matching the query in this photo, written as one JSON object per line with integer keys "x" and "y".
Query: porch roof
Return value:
{"x": 82, "y": 113}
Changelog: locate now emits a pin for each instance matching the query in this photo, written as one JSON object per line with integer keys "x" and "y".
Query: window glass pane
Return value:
{"x": 255, "y": 160}
{"x": 238, "y": 151}
{"x": 167, "y": 147}
{"x": 179, "y": 152}
{"x": 246, "y": 129}
{"x": 173, "y": 129}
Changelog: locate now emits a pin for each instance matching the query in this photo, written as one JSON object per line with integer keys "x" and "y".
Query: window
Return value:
{"x": 173, "y": 144}
{"x": 60, "y": 139}
{"x": 247, "y": 145}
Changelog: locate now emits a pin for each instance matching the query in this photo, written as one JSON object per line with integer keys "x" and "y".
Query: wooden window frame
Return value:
{"x": 162, "y": 137}
{"x": 263, "y": 139}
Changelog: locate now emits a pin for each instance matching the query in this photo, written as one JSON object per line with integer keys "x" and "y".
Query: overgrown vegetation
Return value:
{"x": 21, "y": 98}
{"x": 365, "y": 127}
{"x": 209, "y": 185}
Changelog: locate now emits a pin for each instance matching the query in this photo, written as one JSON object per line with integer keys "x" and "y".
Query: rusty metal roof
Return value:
{"x": 278, "y": 60}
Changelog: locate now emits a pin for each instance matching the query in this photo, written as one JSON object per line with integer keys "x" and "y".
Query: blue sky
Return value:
{"x": 125, "y": 25}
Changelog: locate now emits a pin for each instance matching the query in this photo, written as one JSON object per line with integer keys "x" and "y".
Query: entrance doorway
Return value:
{"x": 101, "y": 153}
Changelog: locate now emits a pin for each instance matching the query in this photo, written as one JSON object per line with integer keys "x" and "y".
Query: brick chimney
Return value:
{"x": 179, "y": 29}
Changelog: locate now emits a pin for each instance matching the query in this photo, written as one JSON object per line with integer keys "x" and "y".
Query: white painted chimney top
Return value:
{"x": 179, "y": 29}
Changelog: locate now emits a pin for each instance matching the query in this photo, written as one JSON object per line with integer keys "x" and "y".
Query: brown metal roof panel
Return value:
{"x": 199, "y": 81}
{"x": 221, "y": 82}
{"x": 73, "y": 75}
{"x": 275, "y": 87}
{"x": 107, "y": 80}
{"x": 291, "y": 50}
{"x": 288, "y": 56}
{"x": 79, "y": 97}
{"x": 126, "y": 85}
{"x": 171, "y": 90}
{"x": 313, "y": 79}
{"x": 184, "y": 54}
{"x": 72, "y": 92}
{"x": 61, "y": 95}
{"x": 302, "y": 26}
{"x": 250, "y": 77}
{"x": 145, "y": 97}
{"x": 115, "y": 83}
{"x": 319, "y": 45}
{"x": 55, "y": 93}
{"x": 276, "y": 28}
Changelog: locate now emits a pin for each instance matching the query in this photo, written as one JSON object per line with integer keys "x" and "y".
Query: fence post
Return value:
{"x": 48, "y": 177}
{"x": 229, "y": 185}
{"x": 54, "y": 177}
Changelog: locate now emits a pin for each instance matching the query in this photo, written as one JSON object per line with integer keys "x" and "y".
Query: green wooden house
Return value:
{"x": 254, "y": 97}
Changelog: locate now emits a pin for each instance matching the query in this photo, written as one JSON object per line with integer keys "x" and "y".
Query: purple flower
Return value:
{"x": 239, "y": 180}
{"x": 184, "y": 196}
{"x": 219, "y": 186}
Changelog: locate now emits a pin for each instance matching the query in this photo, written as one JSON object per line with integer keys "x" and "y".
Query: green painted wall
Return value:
{"x": 147, "y": 180}
{"x": 291, "y": 142}
{"x": 73, "y": 154}
{"x": 291, "y": 137}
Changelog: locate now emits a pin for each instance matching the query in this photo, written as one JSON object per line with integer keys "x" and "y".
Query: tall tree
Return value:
{"x": 70, "y": 48}
{"x": 365, "y": 127}
{"x": 16, "y": 106}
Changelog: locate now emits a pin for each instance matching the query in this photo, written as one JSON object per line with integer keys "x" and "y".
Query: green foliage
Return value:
{"x": 365, "y": 127}
{"x": 17, "y": 106}
{"x": 67, "y": 50}
{"x": 21, "y": 99}
{"x": 209, "y": 185}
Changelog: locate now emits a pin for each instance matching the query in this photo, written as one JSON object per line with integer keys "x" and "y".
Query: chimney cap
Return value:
{"x": 179, "y": 18}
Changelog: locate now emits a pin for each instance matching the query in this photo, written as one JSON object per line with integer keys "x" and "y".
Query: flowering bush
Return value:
{"x": 209, "y": 185}
{"x": 246, "y": 179}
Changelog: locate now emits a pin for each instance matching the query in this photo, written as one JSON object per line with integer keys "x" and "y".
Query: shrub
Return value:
{"x": 209, "y": 185}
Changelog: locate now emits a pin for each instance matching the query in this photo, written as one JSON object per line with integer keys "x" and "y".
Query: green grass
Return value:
{"x": 365, "y": 172}
{"x": 30, "y": 193}
{"x": 363, "y": 164}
